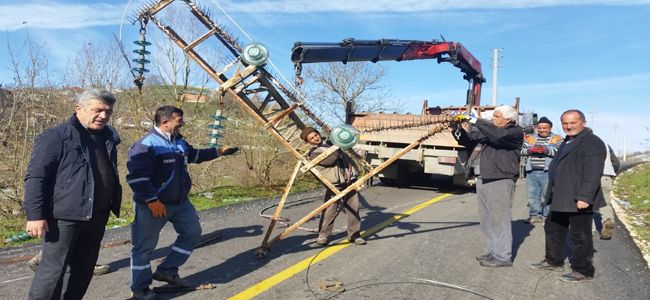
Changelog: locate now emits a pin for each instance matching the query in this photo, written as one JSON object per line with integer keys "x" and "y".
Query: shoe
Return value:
{"x": 33, "y": 263}
{"x": 495, "y": 263}
{"x": 145, "y": 294}
{"x": 358, "y": 241}
{"x": 545, "y": 266}
{"x": 321, "y": 240}
{"x": 608, "y": 229}
{"x": 534, "y": 219}
{"x": 485, "y": 256}
{"x": 174, "y": 279}
{"x": 575, "y": 277}
{"x": 101, "y": 269}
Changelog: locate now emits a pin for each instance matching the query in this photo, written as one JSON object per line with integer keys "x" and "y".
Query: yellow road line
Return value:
{"x": 301, "y": 266}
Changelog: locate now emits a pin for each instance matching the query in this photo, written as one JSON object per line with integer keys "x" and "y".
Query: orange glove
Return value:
{"x": 158, "y": 209}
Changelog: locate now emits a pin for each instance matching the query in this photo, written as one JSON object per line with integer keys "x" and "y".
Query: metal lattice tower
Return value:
{"x": 284, "y": 124}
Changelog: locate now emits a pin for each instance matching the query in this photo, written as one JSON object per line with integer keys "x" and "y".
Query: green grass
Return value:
{"x": 634, "y": 187}
{"x": 217, "y": 197}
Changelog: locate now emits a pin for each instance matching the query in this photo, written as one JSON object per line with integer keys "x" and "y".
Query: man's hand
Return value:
{"x": 538, "y": 149}
{"x": 581, "y": 204}
{"x": 158, "y": 209}
{"x": 36, "y": 228}
{"x": 228, "y": 150}
{"x": 461, "y": 118}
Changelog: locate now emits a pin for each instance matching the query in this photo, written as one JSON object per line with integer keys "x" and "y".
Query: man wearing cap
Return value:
{"x": 539, "y": 149}
{"x": 340, "y": 170}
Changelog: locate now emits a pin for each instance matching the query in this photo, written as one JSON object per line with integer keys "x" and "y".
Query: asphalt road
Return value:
{"x": 428, "y": 253}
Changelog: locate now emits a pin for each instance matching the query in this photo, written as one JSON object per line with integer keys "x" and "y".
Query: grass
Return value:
{"x": 217, "y": 197}
{"x": 634, "y": 187}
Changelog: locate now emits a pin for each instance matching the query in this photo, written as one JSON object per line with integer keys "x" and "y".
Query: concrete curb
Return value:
{"x": 627, "y": 220}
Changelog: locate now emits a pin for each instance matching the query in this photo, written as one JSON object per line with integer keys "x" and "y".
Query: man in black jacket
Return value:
{"x": 495, "y": 163}
{"x": 573, "y": 193}
{"x": 71, "y": 185}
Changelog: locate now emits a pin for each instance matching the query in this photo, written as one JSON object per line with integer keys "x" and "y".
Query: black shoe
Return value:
{"x": 145, "y": 294}
{"x": 575, "y": 277}
{"x": 545, "y": 266}
{"x": 495, "y": 263}
{"x": 485, "y": 256}
{"x": 172, "y": 279}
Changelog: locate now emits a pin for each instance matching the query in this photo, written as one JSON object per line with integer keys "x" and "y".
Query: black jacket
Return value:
{"x": 499, "y": 154}
{"x": 574, "y": 173}
{"x": 59, "y": 181}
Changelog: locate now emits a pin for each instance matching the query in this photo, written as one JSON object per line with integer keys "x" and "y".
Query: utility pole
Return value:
{"x": 592, "y": 123}
{"x": 616, "y": 147}
{"x": 624, "y": 149}
{"x": 495, "y": 67}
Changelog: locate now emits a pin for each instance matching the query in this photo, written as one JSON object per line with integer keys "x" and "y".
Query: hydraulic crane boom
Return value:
{"x": 351, "y": 50}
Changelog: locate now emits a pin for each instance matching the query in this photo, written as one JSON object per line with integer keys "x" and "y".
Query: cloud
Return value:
{"x": 405, "y": 6}
{"x": 51, "y": 15}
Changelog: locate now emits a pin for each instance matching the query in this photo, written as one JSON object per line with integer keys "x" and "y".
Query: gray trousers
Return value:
{"x": 328, "y": 216}
{"x": 605, "y": 212}
{"x": 495, "y": 199}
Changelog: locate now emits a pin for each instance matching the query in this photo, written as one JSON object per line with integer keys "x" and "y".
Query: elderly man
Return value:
{"x": 573, "y": 193}
{"x": 161, "y": 183}
{"x": 71, "y": 186}
{"x": 539, "y": 149}
{"x": 495, "y": 163}
{"x": 340, "y": 170}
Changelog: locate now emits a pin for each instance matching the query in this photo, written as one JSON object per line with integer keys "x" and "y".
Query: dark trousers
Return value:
{"x": 578, "y": 227}
{"x": 72, "y": 245}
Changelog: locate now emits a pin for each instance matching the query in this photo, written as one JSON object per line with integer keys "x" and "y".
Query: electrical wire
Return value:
{"x": 295, "y": 90}
{"x": 393, "y": 279}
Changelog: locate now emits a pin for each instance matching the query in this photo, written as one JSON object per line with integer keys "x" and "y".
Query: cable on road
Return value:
{"x": 387, "y": 280}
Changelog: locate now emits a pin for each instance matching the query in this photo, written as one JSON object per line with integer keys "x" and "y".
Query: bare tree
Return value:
{"x": 172, "y": 65}
{"x": 98, "y": 65}
{"x": 29, "y": 106}
{"x": 344, "y": 89}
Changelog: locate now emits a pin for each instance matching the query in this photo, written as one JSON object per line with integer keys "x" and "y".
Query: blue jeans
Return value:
{"x": 536, "y": 183}
{"x": 145, "y": 231}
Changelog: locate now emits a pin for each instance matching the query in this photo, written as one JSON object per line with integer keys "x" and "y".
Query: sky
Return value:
{"x": 555, "y": 54}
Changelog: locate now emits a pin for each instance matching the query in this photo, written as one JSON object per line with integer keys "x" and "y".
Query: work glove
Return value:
{"x": 460, "y": 117}
{"x": 158, "y": 209}
{"x": 228, "y": 150}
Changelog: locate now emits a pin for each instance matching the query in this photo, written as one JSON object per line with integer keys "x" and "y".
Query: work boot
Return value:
{"x": 172, "y": 279}
{"x": 608, "y": 230}
{"x": 101, "y": 269}
{"x": 545, "y": 266}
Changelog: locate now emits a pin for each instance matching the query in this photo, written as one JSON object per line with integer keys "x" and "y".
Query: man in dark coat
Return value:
{"x": 71, "y": 185}
{"x": 574, "y": 194}
{"x": 495, "y": 162}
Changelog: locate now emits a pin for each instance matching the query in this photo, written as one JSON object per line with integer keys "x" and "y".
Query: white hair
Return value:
{"x": 507, "y": 112}
{"x": 95, "y": 94}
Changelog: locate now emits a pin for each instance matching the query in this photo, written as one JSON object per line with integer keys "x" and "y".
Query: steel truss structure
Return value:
{"x": 283, "y": 124}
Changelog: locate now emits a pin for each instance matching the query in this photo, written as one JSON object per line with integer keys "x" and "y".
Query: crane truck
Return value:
{"x": 439, "y": 154}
